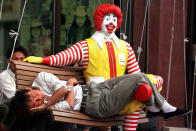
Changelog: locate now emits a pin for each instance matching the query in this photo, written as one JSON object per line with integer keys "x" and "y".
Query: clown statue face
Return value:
{"x": 109, "y": 24}
{"x": 107, "y": 19}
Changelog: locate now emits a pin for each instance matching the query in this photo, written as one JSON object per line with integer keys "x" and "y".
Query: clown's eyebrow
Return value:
{"x": 107, "y": 15}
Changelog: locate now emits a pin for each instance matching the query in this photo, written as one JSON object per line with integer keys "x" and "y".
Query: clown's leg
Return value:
{"x": 143, "y": 93}
{"x": 131, "y": 121}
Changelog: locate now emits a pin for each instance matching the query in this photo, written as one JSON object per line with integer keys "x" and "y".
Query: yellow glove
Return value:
{"x": 34, "y": 59}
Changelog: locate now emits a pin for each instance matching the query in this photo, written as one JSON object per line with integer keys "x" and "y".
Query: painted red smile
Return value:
{"x": 110, "y": 28}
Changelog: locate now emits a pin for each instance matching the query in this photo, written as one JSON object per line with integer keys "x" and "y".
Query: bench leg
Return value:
{"x": 131, "y": 121}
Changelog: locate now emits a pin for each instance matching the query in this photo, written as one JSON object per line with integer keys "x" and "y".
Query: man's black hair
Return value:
{"x": 18, "y": 48}
{"x": 19, "y": 102}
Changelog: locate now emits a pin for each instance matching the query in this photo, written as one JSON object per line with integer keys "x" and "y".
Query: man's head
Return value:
{"x": 19, "y": 53}
{"x": 105, "y": 9}
{"x": 35, "y": 97}
{"x": 19, "y": 102}
{"x": 27, "y": 99}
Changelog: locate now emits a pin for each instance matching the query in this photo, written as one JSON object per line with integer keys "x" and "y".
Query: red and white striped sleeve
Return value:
{"x": 84, "y": 62}
{"x": 78, "y": 53}
{"x": 132, "y": 65}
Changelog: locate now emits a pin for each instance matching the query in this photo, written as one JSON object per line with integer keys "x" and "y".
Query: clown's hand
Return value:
{"x": 34, "y": 59}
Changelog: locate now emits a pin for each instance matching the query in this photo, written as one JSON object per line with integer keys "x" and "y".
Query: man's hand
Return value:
{"x": 34, "y": 59}
{"x": 72, "y": 81}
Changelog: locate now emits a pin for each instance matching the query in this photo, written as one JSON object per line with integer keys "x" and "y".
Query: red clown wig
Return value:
{"x": 103, "y": 10}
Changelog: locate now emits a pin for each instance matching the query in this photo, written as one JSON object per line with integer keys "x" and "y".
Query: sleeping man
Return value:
{"x": 48, "y": 90}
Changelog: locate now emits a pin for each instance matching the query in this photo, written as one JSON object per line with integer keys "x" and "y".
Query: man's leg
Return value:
{"x": 160, "y": 106}
{"x": 123, "y": 90}
{"x": 119, "y": 93}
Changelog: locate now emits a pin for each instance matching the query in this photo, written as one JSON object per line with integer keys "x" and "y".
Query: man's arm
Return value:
{"x": 62, "y": 92}
{"x": 57, "y": 96}
{"x": 70, "y": 97}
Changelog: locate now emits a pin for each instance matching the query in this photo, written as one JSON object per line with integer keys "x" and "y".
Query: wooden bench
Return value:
{"x": 25, "y": 74}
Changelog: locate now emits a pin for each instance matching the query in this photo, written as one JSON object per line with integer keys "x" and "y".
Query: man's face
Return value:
{"x": 109, "y": 24}
{"x": 36, "y": 98}
{"x": 19, "y": 56}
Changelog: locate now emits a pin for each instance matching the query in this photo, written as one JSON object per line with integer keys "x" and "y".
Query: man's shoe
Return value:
{"x": 154, "y": 114}
{"x": 177, "y": 113}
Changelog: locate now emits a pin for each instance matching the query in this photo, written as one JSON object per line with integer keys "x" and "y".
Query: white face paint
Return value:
{"x": 109, "y": 24}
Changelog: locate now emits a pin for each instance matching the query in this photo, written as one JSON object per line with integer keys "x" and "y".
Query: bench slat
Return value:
{"x": 29, "y": 83}
{"x": 55, "y": 72}
{"x": 24, "y": 83}
{"x": 31, "y": 78}
{"x": 83, "y": 122}
{"x": 82, "y": 115}
{"x": 20, "y": 87}
{"x": 67, "y": 68}
{"x": 27, "y": 78}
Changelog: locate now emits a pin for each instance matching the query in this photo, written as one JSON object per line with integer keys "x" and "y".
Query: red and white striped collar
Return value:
{"x": 100, "y": 37}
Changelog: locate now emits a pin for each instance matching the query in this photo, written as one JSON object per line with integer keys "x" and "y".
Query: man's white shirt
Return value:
{"x": 49, "y": 83}
{"x": 7, "y": 85}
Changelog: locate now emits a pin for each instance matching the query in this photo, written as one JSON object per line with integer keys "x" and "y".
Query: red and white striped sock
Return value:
{"x": 131, "y": 121}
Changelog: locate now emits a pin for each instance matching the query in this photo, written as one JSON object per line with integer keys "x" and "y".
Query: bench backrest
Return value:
{"x": 26, "y": 73}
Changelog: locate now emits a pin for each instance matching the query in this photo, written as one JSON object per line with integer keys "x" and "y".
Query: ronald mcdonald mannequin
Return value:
{"x": 105, "y": 56}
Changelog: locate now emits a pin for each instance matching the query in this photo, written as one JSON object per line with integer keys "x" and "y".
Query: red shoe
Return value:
{"x": 143, "y": 93}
